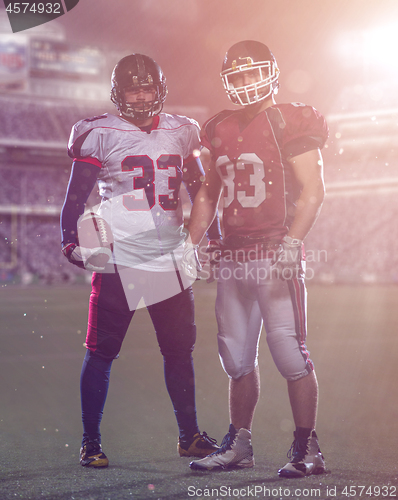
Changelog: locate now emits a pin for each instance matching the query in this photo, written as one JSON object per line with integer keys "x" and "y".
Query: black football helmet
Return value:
{"x": 254, "y": 57}
{"x": 133, "y": 72}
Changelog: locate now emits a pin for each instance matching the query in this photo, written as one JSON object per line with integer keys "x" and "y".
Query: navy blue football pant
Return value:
{"x": 109, "y": 319}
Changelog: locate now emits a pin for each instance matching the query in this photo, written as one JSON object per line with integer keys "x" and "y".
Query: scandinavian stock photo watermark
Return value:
{"x": 257, "y": 264}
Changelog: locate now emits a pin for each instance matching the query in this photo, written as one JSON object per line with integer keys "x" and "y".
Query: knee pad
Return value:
{"x": 290, "y": 356}
{"x": 235, "y": 364}
{"x": 105, "y": 346}
{"x": 96, "y": 360}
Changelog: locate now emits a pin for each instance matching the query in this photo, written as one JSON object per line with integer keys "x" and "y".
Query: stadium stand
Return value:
{"x": 356, "y": 228}
{"x": 353, "y": 240}
{"x": 34, "y": 169}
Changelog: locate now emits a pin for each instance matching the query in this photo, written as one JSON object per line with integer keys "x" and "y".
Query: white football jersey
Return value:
{"x": 139, "y": 181}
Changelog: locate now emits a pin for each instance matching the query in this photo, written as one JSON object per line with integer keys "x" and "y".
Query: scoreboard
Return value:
{"x": 55, "y": 59}
{"x": 52, "y": 67}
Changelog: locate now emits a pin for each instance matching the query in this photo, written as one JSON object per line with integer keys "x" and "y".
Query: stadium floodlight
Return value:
{"x": 380, "y": 46}
{"x": 374, "y": 50}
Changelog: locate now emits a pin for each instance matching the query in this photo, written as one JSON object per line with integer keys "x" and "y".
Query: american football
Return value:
{"x": 95, "y": 233}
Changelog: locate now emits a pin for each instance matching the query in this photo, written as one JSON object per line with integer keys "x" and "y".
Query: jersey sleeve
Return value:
{"x": 205, "y": 140}
{"x": 304, "y": 129}
{"x": 208, "y": 136}
{"x": 191, "y": 140}
{"x": 85, "y": 142}
{"x": 81, "y": 182}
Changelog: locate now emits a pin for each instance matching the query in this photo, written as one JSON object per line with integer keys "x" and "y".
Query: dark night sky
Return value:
{"x": 189, "y": 39}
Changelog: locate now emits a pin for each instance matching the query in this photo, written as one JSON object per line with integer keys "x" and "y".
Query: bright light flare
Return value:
{"x": 380, "y": 45}
{"x": 374, "y": 49}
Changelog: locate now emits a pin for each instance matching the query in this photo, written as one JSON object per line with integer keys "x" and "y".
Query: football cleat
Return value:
{"x": 306, "y": 458}
{"x": 91, "y": 455}
{"x": 200, "y": 446}
{"x": 236, "y": 452}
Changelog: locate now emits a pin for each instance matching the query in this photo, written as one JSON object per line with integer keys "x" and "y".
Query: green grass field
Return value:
{"x": 353, "y": 342}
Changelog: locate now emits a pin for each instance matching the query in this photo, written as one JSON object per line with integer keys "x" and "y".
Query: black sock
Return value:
{"x": 302, "y": 433}
{"x": 94, "y": 383}
{"x": 179, "y": 377}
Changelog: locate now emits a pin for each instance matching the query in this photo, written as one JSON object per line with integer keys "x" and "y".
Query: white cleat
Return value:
{"x": 306, "y": 458}
{"x": 236, "y": 452}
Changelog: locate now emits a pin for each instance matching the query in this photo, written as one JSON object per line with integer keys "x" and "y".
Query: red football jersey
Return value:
{"x": 260, "y": 190}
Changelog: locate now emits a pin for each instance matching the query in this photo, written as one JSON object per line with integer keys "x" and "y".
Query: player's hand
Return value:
{"x": 288, "y": 259}
{"x": 92, "y": 259}
{"x": 214, "y": 250}
{"x": 190, "y": 263}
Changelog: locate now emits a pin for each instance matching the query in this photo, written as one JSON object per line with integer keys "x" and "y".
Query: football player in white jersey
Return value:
{"x": 266, "y": 160}
{"x": 139, "y": 159}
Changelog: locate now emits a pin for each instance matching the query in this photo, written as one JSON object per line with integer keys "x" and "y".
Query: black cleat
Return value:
{"x": 91, "y": 455}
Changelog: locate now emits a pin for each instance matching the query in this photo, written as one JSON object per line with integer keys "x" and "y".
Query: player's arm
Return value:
{"x": 308, "y": 170}
{"x": 204, "y": 208}
{"x": 81, "y": 182}
{"x": 193, "y": 178}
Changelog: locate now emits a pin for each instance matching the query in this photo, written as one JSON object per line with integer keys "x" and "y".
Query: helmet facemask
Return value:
{"x": 264, "y": 85}
{"x": 136, "y": 72}
{"x": 140, "y": 110}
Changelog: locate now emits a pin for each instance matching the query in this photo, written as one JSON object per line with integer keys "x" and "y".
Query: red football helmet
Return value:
{"x": 256, "y": 58}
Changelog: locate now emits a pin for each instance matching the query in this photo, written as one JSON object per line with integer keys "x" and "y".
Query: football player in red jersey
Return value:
{"x": 266, "y": 161}
{"x": 139, "y": 159}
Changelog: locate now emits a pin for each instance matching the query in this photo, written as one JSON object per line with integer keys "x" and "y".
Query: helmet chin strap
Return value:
{"x": 142, "y": 110}
{"x": 134, "y": 111}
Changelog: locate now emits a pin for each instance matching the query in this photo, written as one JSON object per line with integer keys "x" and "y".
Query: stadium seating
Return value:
{"x": 353, "y": 240}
